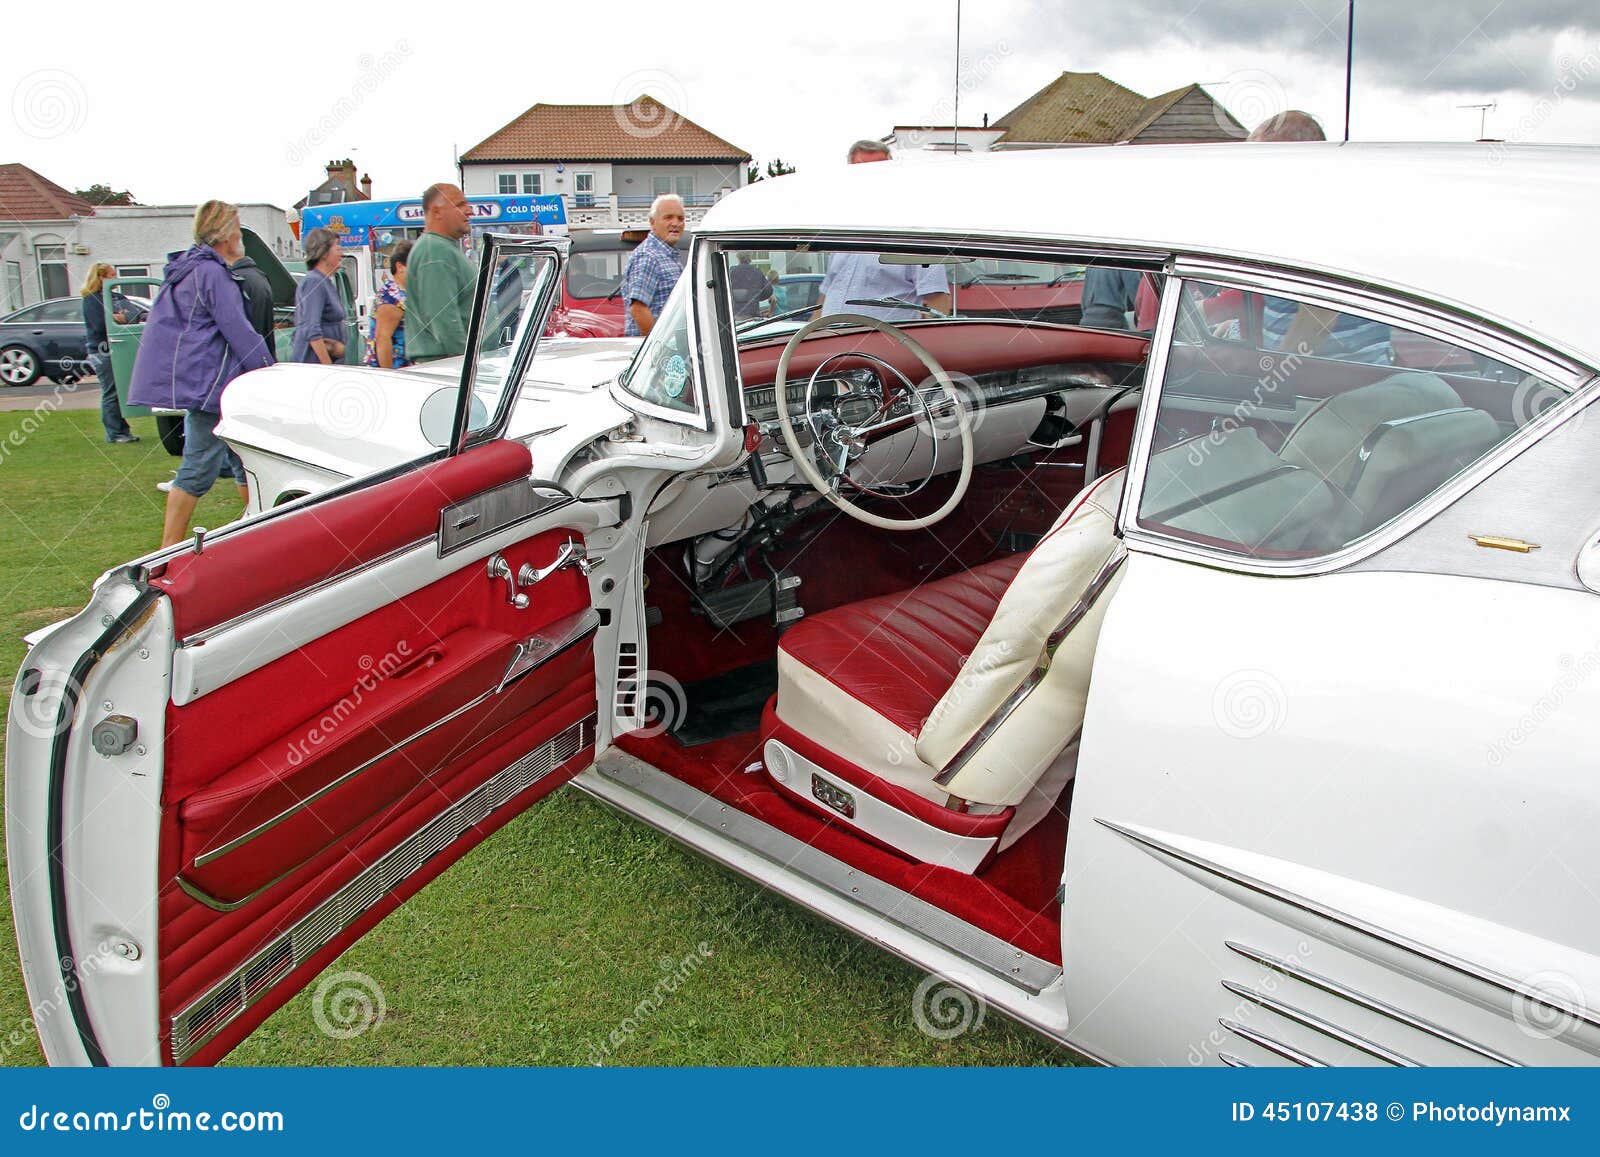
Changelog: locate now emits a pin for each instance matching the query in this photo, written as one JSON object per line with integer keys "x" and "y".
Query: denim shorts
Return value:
{"x": 205, "y": 456}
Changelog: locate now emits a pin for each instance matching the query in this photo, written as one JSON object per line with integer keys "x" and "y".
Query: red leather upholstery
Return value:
{"x": 248, "y": 570}
{"x": 900, "y": 653}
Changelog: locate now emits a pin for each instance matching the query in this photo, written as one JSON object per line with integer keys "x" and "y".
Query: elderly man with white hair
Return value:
{"x": 654, "y": 267}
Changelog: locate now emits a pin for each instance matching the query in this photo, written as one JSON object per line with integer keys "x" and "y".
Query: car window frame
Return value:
{"x": 1477, "y": 333}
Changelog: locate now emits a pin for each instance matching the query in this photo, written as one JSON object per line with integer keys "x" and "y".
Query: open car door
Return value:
{"x": 252, "y": 747}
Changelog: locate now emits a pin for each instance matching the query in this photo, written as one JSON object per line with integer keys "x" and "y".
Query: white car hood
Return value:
{"x": 352, "y": 420}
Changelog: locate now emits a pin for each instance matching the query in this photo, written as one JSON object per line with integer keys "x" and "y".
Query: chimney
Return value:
{"x": 344, "y": 172}
{"x": 366, "y": 185}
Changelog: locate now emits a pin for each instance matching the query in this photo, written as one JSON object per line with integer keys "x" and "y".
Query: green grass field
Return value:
{"x": 547, "y": 943}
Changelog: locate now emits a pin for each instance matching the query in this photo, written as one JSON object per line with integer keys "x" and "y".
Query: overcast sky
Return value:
{"x": 182, "y": 102}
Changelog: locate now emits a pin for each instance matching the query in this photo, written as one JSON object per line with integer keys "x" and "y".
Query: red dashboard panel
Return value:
{"x": 969, "y": 348}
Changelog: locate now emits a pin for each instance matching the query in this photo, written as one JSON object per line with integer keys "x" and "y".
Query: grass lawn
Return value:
{"x": 544, "y": 941}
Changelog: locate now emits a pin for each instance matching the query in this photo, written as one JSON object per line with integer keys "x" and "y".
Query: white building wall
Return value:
{"x": 143, "y": 235}
{"x": 482, "y": 178}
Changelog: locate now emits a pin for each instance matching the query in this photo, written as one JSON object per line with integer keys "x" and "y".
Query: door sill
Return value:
{"x": 1024, "y": 986}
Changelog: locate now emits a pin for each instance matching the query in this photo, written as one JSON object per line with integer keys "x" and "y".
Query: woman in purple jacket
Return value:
{"x": 196, "y": 341}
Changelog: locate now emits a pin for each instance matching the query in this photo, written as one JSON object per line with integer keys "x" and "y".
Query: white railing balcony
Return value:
{"x": 614, "y": 211}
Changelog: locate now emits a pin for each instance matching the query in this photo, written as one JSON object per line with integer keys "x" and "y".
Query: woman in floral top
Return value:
{"x": 386, "y": 333}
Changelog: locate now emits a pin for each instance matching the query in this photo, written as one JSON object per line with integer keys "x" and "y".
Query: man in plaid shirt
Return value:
{"x": 654, "y": 267}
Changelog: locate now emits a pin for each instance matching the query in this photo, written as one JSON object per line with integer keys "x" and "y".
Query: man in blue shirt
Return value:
{"x": 654, "y": 267}
{"x": 862, "y": 277}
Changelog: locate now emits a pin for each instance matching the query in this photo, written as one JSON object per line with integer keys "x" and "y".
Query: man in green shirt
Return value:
{"x": 439, "y": 278}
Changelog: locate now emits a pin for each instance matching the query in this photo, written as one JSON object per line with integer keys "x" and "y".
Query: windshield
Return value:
{"x": 663, "y": 372}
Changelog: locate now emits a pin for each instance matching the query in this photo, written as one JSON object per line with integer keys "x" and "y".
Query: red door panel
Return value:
{"x": 306, "y": 798}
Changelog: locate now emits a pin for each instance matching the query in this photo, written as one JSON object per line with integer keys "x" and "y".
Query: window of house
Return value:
{"x": 660, "y": 186}
{"x": 506, "y": 184}
{"x": 1289, "y": 430}
{"x": 583, "y": 189}
{"x": 53, "y": 281}
{"x": 533, "y": 184}
{"x": 133, "y": 271}
{"x": 685, "y": 189}
{"x": 13, "y": 286}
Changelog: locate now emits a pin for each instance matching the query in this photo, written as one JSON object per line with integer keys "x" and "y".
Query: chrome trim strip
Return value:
{"x": 983, "y": 949}
{"x": 1272, "y": 1045}
{"x": 1074, "y": 616}
{"x": 1354, "y": 924}
{"x": 560, "y": 637}
{"x": 321, "y": 584}
{"x": 1371, "y": 1003}
{"x": 211, "y": 1012}
{"x": 1318, "y": 1024}
{"x": 1455, "y": 323}
{"x": 1233, "y": 1062}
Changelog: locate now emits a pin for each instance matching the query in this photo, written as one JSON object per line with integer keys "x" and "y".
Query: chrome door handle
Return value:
{"x": 499, "y": 568}
{"x": 571, "y": 554}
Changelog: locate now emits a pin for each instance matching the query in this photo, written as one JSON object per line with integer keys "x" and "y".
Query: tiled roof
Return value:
{"x": 643, "y": 130}
{"x": 26, "y": 196}
{"x": 1087, "y": 108}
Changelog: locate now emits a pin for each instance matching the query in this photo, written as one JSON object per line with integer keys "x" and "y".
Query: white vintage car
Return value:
{"x": 1211, "y": 693}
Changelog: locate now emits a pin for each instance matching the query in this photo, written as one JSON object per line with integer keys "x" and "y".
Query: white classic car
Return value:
{"x": 1214, "y": 693}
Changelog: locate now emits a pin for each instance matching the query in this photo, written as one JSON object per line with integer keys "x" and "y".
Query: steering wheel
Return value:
{"x": 842, "y": 443}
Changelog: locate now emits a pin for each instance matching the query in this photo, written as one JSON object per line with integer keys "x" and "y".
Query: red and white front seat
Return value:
{"x": 943, "y": 721}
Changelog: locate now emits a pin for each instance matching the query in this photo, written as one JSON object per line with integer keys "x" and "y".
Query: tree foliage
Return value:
{"x": 98, "y": 194}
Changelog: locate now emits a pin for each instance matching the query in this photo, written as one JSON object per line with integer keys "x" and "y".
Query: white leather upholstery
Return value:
{"x": 819, "y": 708}
{"x": 1057, "y": 574}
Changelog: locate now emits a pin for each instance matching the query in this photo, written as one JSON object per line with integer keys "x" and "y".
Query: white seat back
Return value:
{"x": 1014, "y": 650}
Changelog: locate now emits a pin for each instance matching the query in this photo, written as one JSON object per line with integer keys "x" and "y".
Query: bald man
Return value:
{"x": 654, "y": 267}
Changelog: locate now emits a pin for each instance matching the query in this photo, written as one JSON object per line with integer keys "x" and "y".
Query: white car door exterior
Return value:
{"x": 1336, "y": 798}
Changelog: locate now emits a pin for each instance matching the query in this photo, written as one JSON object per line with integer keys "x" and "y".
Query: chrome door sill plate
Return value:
{"x": 787, "y": 855}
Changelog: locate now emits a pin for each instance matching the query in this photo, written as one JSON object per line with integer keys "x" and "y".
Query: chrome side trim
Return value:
{"x": 1009, "y": 705}
{"x": 228, "y": 999}
{"x": 321, "y": 584}
{"x": 983, "y": 949}
{"x": 1233, "y": 1062}
{"x": 539, "y": 649}
{"x": 491, "y": 511}
{"x": 1317, "y": 1024}
{"x": 1371, "y": 1003}
{"x": 1272, "y": 1045}
{"x": 1393, "y": 939}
